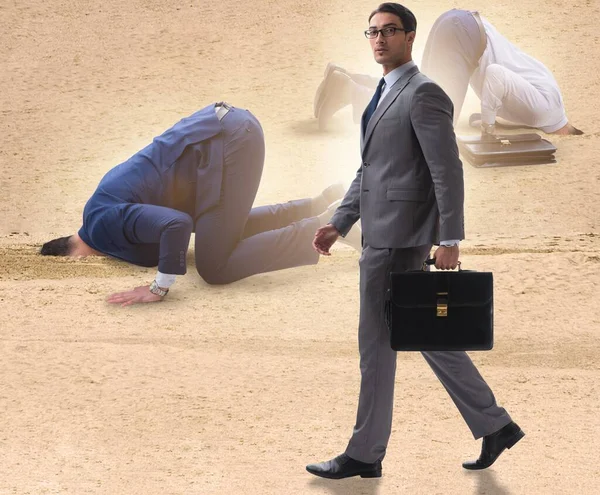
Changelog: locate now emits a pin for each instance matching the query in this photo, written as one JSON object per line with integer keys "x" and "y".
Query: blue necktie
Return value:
{"x": 372, "y": 106}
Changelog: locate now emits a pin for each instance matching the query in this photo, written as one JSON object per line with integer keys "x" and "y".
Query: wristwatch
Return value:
{"x": 155, "y": 289}
{"x": 488, "y": 131}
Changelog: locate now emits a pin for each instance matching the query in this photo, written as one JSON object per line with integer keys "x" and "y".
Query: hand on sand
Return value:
{"x": 140, "y": 294}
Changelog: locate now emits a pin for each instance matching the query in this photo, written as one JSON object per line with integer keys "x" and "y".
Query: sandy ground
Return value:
{"x": 232, "y": 390}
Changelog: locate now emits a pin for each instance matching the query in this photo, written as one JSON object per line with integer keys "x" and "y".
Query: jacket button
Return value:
{"x": 365, "y": 164}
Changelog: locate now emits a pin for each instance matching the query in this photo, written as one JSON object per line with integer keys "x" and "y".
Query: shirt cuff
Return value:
{"x": 165, "y": 280}
{"x": 451, "y": 242}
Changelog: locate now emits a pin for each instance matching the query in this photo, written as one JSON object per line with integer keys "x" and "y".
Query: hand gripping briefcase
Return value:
{"x": 440, "y": 310}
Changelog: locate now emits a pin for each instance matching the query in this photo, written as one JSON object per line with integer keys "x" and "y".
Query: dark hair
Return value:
{"x": 409, "y": 21}
{"x": 56, "y": 247}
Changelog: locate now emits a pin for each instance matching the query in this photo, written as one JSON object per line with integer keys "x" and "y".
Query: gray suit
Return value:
{"x": 408, "y": 194}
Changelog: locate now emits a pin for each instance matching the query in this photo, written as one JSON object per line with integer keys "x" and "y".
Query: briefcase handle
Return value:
{"x": 431, "y": 261}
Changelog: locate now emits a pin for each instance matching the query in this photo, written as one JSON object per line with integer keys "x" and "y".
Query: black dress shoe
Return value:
{"x": 494, "y": 444}
{"x": 344, "y": 466}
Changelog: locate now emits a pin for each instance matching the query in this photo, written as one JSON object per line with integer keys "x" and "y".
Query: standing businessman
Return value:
{"x": 408, "y": 194}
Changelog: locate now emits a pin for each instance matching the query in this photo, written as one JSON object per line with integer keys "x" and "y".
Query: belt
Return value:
{"x": 222, "y": 109}
{"x": 482, "y": 35}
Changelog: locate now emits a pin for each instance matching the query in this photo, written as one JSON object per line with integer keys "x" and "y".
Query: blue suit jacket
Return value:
{"x": 144, "y": 209}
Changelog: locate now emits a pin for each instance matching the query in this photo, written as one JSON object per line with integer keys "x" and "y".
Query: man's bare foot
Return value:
{"x": 568, "y": 130}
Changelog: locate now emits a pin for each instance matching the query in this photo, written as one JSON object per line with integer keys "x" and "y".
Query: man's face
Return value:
{"x": 392, "y": 51}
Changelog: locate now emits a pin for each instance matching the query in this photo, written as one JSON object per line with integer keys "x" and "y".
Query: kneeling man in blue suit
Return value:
{"x": 201, "y": 176}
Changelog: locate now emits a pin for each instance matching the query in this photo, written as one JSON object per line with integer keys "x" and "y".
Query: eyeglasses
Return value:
{"x": 386, "y": 32}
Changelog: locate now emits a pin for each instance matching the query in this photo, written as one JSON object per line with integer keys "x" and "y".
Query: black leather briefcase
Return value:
{"x": 506, "y": 150}
{"x": 440, "y": 310}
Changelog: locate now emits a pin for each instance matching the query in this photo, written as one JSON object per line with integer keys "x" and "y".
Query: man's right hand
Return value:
{"x": 325, "y": 237}
{"x": 140, "y": 294}
{"x": 488, "y": 132}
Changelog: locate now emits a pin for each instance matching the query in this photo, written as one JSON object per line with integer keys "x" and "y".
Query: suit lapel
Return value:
{"x": 389, "y": 98}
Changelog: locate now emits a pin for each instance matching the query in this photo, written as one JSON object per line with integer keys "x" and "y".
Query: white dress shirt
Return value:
{"x": 393, "y": 76}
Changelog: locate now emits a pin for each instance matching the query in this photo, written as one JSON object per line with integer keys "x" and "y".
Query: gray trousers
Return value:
{"x": 234, "y": 240}
{"x": 459, "y": 376}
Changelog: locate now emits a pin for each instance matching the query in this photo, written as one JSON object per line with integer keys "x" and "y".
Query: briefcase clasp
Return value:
{"x": 442, "y": 304}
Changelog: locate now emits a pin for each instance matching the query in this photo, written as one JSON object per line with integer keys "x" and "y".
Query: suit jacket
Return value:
{"x": 144, "y": 209}
{"x": 409, "y": 188}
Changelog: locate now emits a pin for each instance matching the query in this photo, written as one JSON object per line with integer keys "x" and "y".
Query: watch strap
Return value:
{"x": 155, "y": 289}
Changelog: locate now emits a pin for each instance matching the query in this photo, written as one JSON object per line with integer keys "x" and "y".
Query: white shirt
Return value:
{"x": 393, "y": 76}
{"x": 519, "y": 89}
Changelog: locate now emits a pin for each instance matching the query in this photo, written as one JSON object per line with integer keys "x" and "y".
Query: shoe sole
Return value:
{"x": 511, "y": 443}
{"x": 369, "y": 474}
{"x": 374, "y": 474}
{"x": 517, "y": 436}
{"x": 317, "y": 103}
{"x": 333, "y": 193}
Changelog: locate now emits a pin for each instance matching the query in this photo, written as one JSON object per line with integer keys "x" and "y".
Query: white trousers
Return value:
{"x": 508, "y": 95}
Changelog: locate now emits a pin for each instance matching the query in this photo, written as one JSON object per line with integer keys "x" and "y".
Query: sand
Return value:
{"x": 234, "y": 389}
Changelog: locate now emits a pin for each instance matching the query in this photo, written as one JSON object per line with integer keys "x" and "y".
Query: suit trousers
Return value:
{"x": 459, "y": 376}
{"x": 234, "y": 240}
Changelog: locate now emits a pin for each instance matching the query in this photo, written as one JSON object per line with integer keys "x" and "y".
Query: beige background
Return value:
{"x": 233, "y": 389}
